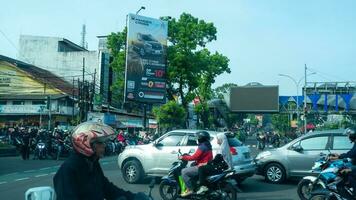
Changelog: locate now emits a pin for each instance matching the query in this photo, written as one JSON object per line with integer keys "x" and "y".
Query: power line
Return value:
{"x": 326, "y": 74}
{"x": 8, "y": 39}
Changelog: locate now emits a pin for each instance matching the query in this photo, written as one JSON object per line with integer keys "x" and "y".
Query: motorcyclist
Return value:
{"x": 202, "y": 156}
{"x": 80, "y": 177}
{"x": 351, "y": 133}
{"x": 26, "y": 138}
{"x": 221, "y": 162}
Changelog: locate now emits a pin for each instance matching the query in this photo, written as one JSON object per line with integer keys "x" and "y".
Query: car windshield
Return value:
{"x": 233, "y": 142}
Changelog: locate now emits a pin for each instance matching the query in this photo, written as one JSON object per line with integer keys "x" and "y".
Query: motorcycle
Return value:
{"x": 336, "y": 189}
{"x": 327, "y": 174}
{"x": 40, "y": 150}
{"x": 221, "y": 186}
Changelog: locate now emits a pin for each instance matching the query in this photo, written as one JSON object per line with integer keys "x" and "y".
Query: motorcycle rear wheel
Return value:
{"x": 319, "y": 197}
{"x": 230, "y": 191}
{"x": 168, "y": 191}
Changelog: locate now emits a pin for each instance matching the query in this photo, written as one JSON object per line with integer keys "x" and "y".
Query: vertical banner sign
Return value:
{"x": 146, "y": 60}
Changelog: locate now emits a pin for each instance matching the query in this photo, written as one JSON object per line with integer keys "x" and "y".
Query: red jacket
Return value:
{"x": 203, "y": 154}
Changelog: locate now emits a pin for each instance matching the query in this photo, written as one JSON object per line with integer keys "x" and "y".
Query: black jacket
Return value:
{"x": 218, "y": 164}
{"x": 350, "y": 154}
{"x": 81, "y": 178}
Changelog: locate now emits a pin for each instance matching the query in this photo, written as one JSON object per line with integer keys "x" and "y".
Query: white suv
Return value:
{"x": 156, "y": 158}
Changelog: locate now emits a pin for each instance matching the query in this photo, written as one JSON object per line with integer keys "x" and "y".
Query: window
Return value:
{"x": 233, "y": 142}
{"x": 192, "y": 140}
{"x": 342, "y": 143}
{"x": 38, "y": 103}
{"x": 18, "y": 103}
{"x": 3, "y": 102}
{"x": 172, "y": 140}
{"x": 314, "y": 143}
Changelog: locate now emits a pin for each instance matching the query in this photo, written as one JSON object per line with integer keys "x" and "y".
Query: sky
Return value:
{"x": 262, "y": 38}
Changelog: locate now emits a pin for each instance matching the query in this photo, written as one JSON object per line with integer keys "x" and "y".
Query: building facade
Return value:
{"x": 31, "y": 96}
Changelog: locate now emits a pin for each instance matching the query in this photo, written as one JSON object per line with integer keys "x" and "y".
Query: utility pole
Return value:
{"x": 144, "y": 116}
{"x": 305, "y": 98}
{"x": 80, "y": 100}
{"x": 49, "y": 112}
{"x": 93, "y": 92}
{"x": 73, "y": 100}
{"x": 83, "y": 94}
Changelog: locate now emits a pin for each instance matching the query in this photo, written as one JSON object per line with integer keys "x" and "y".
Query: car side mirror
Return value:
{"x": 298, "y": 148}
{"x": 157, "y": 144}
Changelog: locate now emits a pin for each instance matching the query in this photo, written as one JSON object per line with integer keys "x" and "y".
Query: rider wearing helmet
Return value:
{"x": 350, "y": 132}
{"x": 80, "y": 176}
{"x": 202, "y": 156}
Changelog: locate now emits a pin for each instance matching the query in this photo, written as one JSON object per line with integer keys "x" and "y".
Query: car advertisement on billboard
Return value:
{"x": 146, "y": 60}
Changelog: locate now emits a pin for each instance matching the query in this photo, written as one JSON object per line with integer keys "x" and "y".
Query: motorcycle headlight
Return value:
{"x": 263, "y": 155}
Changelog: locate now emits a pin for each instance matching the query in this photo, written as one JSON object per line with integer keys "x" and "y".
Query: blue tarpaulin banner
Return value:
{"x": 326, "y": 103}
{"x": 347, "y": 99}
{"x": 300, "y": 100}
{"x": 336, "y": 102}
{"x": 315, "y": 98}
{"x": 283, "y": 100}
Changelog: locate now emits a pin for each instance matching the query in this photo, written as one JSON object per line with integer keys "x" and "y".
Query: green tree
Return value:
{"x": 221, "y": 90}
{"x": 170, "y": 115}
{"x": 191, "y": 67}
{"x": 280, "y": 122}
{"x": 116, "y": 44}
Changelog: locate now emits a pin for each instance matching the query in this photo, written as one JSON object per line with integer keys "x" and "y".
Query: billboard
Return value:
{"x": 254, "y": 99}
{"x": 146, "y": 60}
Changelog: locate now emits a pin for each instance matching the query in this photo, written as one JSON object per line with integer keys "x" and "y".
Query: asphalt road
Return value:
{"x": 16, "y": 176}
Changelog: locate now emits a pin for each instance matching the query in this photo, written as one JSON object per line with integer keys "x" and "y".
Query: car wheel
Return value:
{"x": 132, "y": 171}
{"x": 274, "y": 173}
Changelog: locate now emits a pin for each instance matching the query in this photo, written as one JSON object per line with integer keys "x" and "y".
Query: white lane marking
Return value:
{"x": 45, "y": 168}
{"x": 21, "y": 179}
{"x": 32, "y": 170}
{"x": 11, "y": 174}
{"x": 3, "y": 182}
{"x": 41, "y": 175}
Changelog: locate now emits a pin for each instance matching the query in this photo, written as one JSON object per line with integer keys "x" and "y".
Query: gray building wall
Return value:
{"x": 59, "y": 56}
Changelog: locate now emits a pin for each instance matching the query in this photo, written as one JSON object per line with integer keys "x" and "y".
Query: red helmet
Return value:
{"x": 85, "y": 134}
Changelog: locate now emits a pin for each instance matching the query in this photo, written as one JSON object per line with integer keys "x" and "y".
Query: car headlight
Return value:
{"x": 263, "y": 155}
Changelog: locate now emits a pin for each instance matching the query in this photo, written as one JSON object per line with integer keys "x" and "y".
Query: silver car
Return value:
{"x": 156, "y": 158}
{"x": 296, "y": 158}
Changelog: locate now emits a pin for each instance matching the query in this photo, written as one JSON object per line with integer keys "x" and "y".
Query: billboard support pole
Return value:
{"x": 144, "y": 116}
{"x": 305, "y": 99}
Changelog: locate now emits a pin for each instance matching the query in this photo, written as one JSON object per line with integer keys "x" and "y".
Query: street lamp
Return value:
{"x": 297, "y": 83}
{"x": 142, "y": 8}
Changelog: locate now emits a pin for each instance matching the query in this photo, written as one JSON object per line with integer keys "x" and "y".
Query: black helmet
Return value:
{"x": 203, "y": 136}
{"x": 351, "y": 133}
